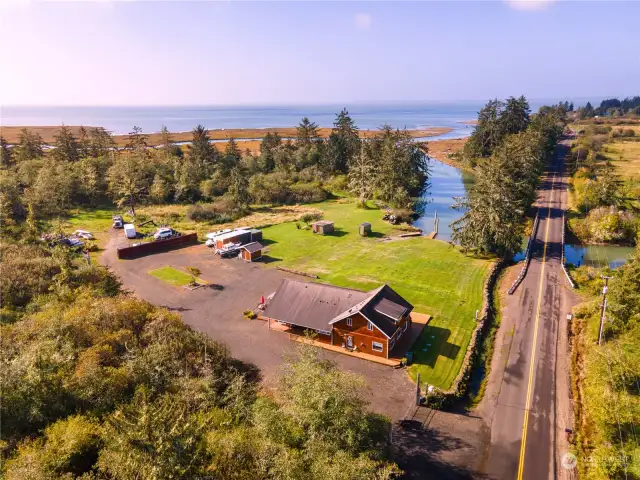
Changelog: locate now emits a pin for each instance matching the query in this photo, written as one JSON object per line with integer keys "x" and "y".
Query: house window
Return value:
{"x": 377, "y": 346}
{"x": 399, "y": 336}
{"x": 406, "y": 325}
{"x": 349, "y": 322}
{"x": 392, "y": 342}
{"x": 369, "y": 326}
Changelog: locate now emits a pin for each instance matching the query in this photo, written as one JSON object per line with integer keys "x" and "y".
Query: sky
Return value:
{"x": 105, "y": 52}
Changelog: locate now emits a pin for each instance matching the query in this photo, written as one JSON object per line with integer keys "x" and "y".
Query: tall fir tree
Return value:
{"x": 67, "y": 148}
{"x": 31, "y": 146}
{"x": 307, "y": 133}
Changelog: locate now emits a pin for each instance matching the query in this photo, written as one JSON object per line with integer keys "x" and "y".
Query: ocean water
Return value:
{"x": 179, "y": 119}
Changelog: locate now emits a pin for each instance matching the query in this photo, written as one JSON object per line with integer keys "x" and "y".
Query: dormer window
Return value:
{"x": 349, "y": 322}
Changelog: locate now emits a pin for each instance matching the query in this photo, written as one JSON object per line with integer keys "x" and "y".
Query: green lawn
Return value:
{"x": 173, "y": 276}
{"x": 435, "y": 277}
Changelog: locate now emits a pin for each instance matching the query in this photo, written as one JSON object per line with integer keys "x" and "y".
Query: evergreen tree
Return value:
{"x": 167, "y": 144}
{"x": 362, "y": 174}
{"x": 84, "y": 144}
{"x": 137, "y": 140}
{"x": 6, "y": 156}
{"x": 269, "y": 143}
{"x": 232, "y": 155}
{"x": 515, "y": 116}
{"x": 129, "y": 180}
{"x": 201, "y": 151}
{"x": 307, "y": 133}
{"x": 31, "y": 146}
{"x": 67, "y": 148}
{"x": 102, "y": 142}
{"x": 239, "y": 187}
{"x": 343, "y": 144}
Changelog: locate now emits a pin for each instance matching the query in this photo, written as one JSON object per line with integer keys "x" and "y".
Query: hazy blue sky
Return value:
{"x": 140, "y": 53}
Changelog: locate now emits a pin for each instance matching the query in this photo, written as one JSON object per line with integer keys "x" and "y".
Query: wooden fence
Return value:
{"x": 149, "y": 248}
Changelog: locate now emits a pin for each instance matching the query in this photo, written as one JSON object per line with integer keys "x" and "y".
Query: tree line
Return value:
{"x": 509, "y": 148}
{"x": 611, "y": 107}
{"x": 88, "y": 169}
{"x": 97, "y": 384}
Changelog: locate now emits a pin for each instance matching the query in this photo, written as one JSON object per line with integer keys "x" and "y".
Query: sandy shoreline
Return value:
{"x": 12, "y": 133}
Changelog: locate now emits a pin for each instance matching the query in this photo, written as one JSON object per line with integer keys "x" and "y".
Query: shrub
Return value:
{"x": 311, "y": 217}
{"x": 222, "y": 211}
{"x": 403, "y": 214}
{"x": 307, "y": 193}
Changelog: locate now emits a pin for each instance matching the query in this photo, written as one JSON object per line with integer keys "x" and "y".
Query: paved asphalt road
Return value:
{"x": 532, "y": 397}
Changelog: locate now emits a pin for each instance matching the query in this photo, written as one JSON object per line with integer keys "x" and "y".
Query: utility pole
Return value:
{"x": 603, "y": 308}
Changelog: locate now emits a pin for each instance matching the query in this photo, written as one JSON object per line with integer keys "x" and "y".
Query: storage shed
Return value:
{"x": 251, "y": 251}
{"x": 365, "y": 229}
{"x": 322, "y": 227}
{"x": 236, "y": 236}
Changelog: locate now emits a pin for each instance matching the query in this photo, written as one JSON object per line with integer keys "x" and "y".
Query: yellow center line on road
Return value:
{"x": 525, "y": 424}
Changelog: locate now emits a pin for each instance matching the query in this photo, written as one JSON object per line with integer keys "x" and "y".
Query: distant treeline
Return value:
{"x": 611, "y": 107}
{"x": 86, "y": 169}
{"x": 508, "y": 150}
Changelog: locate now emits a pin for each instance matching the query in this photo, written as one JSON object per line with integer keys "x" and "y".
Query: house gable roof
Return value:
{"x": 383, "y": 307}
{"x": 310, "y": 305}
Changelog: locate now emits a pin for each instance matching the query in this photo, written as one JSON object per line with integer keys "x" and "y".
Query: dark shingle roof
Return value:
{"x": 253, "y": 247}
{"x": 311, "y": 305}
{"x": 375, "y": 307}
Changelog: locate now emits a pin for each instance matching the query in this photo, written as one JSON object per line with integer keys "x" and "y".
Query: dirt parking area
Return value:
{"x": 236, "y": 286}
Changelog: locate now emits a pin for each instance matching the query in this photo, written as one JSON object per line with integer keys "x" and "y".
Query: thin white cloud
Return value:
{"x": 529, "y": 4}
{"x": 363, "y": 21}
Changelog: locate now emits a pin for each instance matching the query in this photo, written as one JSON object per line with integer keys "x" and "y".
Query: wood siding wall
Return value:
{"x": 362, "y": 337}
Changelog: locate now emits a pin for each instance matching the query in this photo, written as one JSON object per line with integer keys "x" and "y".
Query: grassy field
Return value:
{"x": 625, "y": 156}
{"x": 435, "y": 277}
{"x": 173, "y": 276}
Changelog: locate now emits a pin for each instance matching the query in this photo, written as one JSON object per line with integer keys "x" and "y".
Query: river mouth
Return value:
{"x": 447, "y": 182}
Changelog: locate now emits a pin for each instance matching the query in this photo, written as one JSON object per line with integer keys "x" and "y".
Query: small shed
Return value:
{"x": 365, "y": 229}
{"x": 251, "y": 251}
{"x": 322, "y": 227}
{"x": 236, "y": 236}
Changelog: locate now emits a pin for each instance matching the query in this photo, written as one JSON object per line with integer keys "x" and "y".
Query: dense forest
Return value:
{"x": 508, "y": 150}
{"x": 88, "y": 170}
{"x": 99, "y": 385}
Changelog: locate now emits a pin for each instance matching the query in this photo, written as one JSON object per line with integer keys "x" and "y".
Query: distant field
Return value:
{"x": 625, "y": 156}
{"x": 12, "y": 134}
{"x": 435, "y": 277}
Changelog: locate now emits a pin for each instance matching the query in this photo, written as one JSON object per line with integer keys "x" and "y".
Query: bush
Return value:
{"x": 222, "y": 211}
{"x": 403, "y": 214}
{"x": 281, "y": 189}
{"x": 311, "y": 217}
{"x": 307, "y": 193}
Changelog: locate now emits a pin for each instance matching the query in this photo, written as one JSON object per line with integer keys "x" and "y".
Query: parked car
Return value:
{"x": 118, "y": 222}
{"x": 83, "y": 234}
{"x": 130, "y": 230}
{"x": 164, "y": 233}
{"x": 230, "y": 252}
